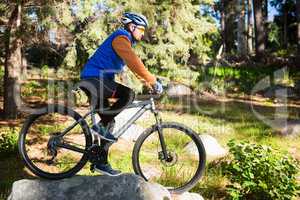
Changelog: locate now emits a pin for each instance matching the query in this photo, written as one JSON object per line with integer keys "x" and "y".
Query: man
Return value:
{"x": 108, "y": 60}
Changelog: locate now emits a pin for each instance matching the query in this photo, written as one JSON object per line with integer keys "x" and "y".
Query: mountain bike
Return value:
{"x": 56, "y": 142}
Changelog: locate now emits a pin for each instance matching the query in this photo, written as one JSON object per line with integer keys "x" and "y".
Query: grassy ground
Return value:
{"x": 225, "y": 119}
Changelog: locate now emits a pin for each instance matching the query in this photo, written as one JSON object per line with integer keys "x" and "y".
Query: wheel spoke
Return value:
{"x": 179, "y": 171}
{"x": 46, "y": 152}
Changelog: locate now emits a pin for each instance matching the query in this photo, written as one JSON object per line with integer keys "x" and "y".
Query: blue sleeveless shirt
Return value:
{"x": 105, "y": 62}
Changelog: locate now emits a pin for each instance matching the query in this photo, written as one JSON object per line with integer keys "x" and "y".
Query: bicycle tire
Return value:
{"x": 195, "y": 138}
{"x": 52, "y": 108}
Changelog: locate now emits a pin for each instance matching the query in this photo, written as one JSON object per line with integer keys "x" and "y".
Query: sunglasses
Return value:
{"x": 141, "y": 29}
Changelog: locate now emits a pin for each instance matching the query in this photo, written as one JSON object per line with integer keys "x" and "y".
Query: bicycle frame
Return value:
{"x": 145, "y": 106}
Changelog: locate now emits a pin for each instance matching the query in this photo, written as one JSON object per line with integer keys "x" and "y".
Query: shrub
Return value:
{"x": 260, "y": 172}
{"x": 8, "y": 142}
{"x": 45, "y": 71}
{"x": 220, "y": 79}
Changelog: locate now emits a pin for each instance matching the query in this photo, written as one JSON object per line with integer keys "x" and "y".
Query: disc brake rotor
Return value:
{"x": 170, "y": 161}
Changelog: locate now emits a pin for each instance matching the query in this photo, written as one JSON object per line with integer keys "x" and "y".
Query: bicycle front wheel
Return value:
{"x": 186, "y": 157}
{"x": 39, "y": 142}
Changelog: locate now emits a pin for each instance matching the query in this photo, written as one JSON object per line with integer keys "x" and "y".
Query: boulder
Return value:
{"x": 213, "y": 149}
{"x": 280, "y": 92}
{"x": 179, "y": 90}
{"x": 123, "y": 187}
{"x": 126, "y": 186}
{"x": 188, "y": 196}
{"x": 128, "y": 113}
{"x": 134, "y": 131}
{"x": 289, "y": 128}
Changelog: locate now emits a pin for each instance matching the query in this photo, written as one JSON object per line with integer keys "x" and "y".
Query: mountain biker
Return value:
{"x": 99, "y": 73}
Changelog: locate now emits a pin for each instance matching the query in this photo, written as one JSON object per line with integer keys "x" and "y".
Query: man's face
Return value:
{"x": 137, "y": 31}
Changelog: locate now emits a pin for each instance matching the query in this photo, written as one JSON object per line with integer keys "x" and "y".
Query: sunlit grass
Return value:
{"x": 236, "y": 121}
{"x": 213, "y": 183}
{"x": 230, "y": 121}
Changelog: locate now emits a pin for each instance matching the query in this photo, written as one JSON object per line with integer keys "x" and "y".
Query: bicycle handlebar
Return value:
{"x": 154, "y": 95}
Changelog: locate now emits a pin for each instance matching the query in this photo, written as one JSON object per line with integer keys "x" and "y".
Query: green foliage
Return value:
{"x": 176, "y": 31}
{"x": 29, "y": 88}
{"x": 285, "y": 53}
{"x": 260, "y": 172}
{"x": 221, "y": 79}
{"x": 274, "y": 35}
{"x": 286, "y": 7}
{"x": 45, "y": 71}
{"x": 8, "y": 142}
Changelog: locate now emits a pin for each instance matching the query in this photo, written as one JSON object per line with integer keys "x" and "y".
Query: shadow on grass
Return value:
{"x": 11, "y": 169}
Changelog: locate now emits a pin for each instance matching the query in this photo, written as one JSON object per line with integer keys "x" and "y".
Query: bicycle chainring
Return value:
{"x": 94, "y": 153}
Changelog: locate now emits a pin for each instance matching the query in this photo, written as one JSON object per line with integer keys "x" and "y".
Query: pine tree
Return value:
{"x": 259, "y": 29}
{"x": 176, "y": 31}
{"x": 15, "y": 31}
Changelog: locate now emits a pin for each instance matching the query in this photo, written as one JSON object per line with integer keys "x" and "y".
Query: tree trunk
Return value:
{"x": 266, "y": 22}
{"x": 229, "y": 8}
{"x": 23, "y": 67}
{"x": 242, "y": 51}
{"x": 250, "y": 27}
{"x": 298, "y": 22}
{"x": 223, "y": 24}
{"x": 285, "y": 26}
{"x": 259, "y": 30}
{"x": 13, "y": 62}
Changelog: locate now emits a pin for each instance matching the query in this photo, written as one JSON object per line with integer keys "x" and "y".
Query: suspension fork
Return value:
{"x": 160, "y": 134}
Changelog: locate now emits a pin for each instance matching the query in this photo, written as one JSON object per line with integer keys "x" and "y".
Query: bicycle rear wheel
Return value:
{"x": 39, "y": 142}
{"x": 187, "y": 157}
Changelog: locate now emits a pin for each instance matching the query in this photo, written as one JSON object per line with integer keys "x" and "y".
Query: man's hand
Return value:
{"x": 157, "y": 87}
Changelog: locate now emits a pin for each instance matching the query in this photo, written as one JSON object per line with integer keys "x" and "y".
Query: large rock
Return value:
{"x": 281, "y": 92}
{"x": 134, "y": 131}
{"x": 289, "y": 128}
{"x": 128, "y": 113}
{"x": 127, "y": 186}
{"x": 179, "y": 90}
{"x": 188, "y": 196}
{"x": 123, "y": 187}
{"x": 213, "y": 149}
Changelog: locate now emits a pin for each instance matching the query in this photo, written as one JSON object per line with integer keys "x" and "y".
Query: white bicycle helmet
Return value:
{"x": 137, "y": 19}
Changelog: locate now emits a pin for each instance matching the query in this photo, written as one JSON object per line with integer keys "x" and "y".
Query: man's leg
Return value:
{"x": 125, "y": 96}
{"x": 104, "y": 143}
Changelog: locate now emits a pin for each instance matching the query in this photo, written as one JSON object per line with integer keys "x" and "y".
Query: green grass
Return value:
{"x": 226, "y": 121}
{"x": 229, "y": 120}
{"x": 223, "y": 120}
{"x": 213, "y": 183}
